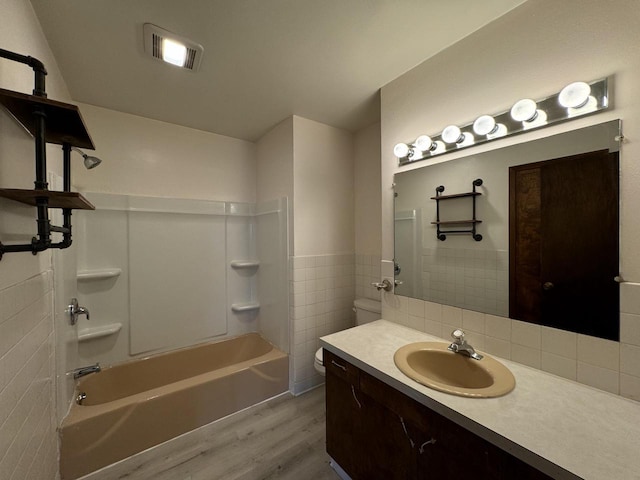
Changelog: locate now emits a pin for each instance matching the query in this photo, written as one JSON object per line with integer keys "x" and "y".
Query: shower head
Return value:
{"x": 89, "y": 161}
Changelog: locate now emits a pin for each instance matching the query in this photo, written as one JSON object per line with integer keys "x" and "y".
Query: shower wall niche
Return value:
{"x": 163, "y": 273}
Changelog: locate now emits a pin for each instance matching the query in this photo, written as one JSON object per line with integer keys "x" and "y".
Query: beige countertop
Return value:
{"x": 546, "y": 421}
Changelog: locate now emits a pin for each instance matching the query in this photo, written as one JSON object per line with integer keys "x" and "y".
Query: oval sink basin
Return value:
{"x": 433, "y": 365}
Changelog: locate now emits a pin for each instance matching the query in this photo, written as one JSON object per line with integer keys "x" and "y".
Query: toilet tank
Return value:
{"x": 367, "y": 310}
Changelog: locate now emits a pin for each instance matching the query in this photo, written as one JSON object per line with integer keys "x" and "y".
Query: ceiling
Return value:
{"x": 264, "y": 60}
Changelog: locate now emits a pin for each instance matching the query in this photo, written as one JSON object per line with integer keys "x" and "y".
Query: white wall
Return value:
{"x": 367, "y": 214}
{"x": 532, "y": 51}
{"x": 274, "y": 177}
{"x": 313, "y": 165}
{"x": 367, "y": 210}
{"x": 147, "y": 157}
{"x": 28, "y": 439}
{"x": 322, "y": 189}
{"x": 274, "y": 169}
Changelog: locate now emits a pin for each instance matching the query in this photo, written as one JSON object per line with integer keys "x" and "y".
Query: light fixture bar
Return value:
{"x": 577, "y": 99}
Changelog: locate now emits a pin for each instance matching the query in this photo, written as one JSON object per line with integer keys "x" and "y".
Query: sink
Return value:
{"x": 432, "y": 364}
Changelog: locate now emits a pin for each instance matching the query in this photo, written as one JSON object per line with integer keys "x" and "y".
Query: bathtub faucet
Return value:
{"x": 82, "y": 371}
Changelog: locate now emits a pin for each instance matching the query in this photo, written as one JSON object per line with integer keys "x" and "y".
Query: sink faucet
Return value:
{"x": 461, "y": 346}
{"x": 82, "y": 371}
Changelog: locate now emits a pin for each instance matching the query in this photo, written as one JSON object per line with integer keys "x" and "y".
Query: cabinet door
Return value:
{"x": 344, "y": 429}
{"x": 367, "y": 439}
{"x": 345, "y": 435}
{"x": 454, "y": 450}
{"x": 389, "y": 446}
{"x": 451, "y": 450}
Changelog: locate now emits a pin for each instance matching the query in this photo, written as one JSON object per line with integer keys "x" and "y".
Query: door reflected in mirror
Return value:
{"x": 549, "y": 249}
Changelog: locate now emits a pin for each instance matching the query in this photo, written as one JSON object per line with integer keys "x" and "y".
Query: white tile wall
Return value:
{"x": 28, "y": 438}
{"x": 473, "y": 279}
{"x": 322, "y": 290}
{"x": 603, "y": 364}
{"x": 367, "y": 272}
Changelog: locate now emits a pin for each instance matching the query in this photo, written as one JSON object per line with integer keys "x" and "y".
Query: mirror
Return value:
{"x": 486, "y": 275}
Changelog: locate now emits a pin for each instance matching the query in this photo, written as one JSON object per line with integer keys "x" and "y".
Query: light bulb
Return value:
{"x": 173, "y": 52}
{"x": 401, "y": 150}
{"x": 424, "y": 143}
{"x": 591, "y": 105}
{"x": 524, "y": 110}
{"x": 485, "y": 125}
{"x": 440, "y": 147}
{"x": 499, "y": 131}
{"x": 452, "y": 134}
{"x": 574, "y": 95}
{"x": 539, "y": 119}
{"x": 415, "y": 154}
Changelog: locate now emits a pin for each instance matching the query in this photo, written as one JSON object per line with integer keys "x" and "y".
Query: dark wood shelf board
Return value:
{"x": 64, "y": 122}
{"x": 73, "y": 200}
{"x": 456, "y": 195}
{"x": 456, "y": 222}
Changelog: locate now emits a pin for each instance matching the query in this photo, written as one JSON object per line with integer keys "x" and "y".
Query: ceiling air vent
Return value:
{"x": 171, "y": 48}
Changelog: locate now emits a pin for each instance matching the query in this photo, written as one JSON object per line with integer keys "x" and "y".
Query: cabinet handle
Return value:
{"x": 428, "y": 442}
{"x": 353, "y": 391}
{"x": 344, "y": 369}
{"x": 404, "y": 427}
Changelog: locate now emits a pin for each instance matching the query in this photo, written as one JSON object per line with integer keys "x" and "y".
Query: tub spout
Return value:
{"x": 82, "y": 371}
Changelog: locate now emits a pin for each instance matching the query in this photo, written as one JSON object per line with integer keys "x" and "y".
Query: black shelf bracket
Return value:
{"x": 473, "y": 222}
{"x": 38, "y": 105}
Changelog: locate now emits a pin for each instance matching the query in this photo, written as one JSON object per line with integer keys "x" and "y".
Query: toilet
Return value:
{"x": 367, "y": 310}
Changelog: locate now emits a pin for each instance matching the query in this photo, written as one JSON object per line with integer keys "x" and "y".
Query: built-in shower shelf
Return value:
{"x": 244, "y": 264}
{"x": 92, "y": 333}
{"x": 88, "y": 275}
{"x": 245, "y": 307}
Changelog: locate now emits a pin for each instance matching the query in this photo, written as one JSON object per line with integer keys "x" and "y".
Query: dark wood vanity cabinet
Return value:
{"x": 376, "y": 432}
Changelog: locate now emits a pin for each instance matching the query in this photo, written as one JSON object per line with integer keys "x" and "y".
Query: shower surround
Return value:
{"x": 162, "y": 273}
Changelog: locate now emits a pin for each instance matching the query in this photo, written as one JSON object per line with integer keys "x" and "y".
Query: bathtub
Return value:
{"x": 135, "y": 405}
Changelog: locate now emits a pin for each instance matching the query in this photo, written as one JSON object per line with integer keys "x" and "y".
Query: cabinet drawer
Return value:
{"x": 340, "y": 368}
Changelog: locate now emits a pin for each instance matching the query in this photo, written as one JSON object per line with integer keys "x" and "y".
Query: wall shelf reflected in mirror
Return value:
{"x": 470, "y": 224}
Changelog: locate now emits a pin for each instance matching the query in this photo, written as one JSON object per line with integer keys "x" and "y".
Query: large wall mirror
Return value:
{"x": 529, "y": 231}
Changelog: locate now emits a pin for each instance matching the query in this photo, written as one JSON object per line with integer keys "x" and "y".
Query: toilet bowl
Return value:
{"x": 367, "y": 310}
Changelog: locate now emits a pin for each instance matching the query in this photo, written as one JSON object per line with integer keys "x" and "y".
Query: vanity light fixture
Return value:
{"x": 576, "y": 99}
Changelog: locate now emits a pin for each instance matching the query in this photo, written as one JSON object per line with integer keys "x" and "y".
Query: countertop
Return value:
{"x": 547, "y": 421}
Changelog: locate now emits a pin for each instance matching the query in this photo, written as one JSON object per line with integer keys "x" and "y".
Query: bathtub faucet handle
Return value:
{"x": 74, "y": 310}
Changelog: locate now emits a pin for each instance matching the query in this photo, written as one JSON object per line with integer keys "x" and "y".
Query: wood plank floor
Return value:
{"x": 281, "y": 439}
